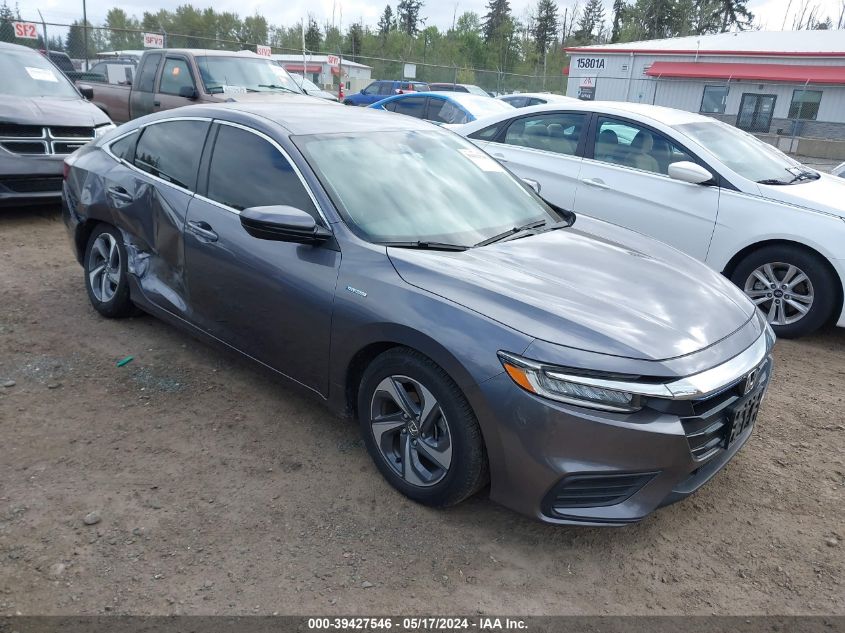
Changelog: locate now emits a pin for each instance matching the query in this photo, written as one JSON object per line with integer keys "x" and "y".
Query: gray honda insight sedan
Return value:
{"x": 394, "y": 270}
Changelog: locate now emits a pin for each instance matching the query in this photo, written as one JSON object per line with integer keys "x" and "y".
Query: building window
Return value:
{"x": 805, "y": 104}
{"x": 714, "y": 99}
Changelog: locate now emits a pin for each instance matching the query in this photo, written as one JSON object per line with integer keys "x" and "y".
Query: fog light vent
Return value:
{"x": 589, "y": 491}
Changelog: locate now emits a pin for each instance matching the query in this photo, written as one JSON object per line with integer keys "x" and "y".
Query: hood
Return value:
{"x": 826, "y": 194}
{"x": 597, "y": 287}
{"x": 269, "y": 97}
{"x": 46, "y": 111}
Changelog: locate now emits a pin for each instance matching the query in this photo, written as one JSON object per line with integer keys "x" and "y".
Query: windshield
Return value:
{"x": 29, "y": 74}
{"x": 307, "y": 84}
{"x": 475, "y": 90}
{"x": 744, "y": 153}
{"x": 428, "y": 186}
{"x": 233, "y": 75}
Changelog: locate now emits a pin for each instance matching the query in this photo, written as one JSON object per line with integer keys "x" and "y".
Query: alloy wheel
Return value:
{"x": 782, "y": 291}
{"x": 411, "y": 431}
{"x": 104, "y": 267}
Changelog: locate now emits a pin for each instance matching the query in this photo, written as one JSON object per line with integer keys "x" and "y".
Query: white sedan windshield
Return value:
{"x": 743, "y": 153}
{"x": 419, "y": 186}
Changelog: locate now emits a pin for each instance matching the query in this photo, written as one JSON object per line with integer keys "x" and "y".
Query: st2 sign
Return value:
{"x": 589, "y": 63}
{"x": 26, "y": 30}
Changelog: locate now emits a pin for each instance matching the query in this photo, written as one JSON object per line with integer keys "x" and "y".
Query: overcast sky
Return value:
{"x": 769, "y": 13}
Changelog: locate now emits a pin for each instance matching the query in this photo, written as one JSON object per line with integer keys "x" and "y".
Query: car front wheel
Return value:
{"x": 793, "y": 287}
{"x": 420, "y": 430}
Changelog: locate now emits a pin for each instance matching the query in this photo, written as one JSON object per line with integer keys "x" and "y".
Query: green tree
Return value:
{"x": 75, "y": 42}
{"x": 618, "y": 11}
{"x": 354, "y": 40}
{"x": 7, "y": 16}
{"x": 408, "y": 16}
{"x": 545, "y": 27}
{"x": 254, "y": 30}
{"x": 497, "y": 19}
{"x": 733, "y": 14}
{"x": 386, "y": 22}
{"x": 313, "y": 36}
{"x": 590, "y": 24}
{"x": 123, "y": 33}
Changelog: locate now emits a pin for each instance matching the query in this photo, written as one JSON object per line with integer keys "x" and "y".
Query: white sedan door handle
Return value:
{"x": 595, "y": 182}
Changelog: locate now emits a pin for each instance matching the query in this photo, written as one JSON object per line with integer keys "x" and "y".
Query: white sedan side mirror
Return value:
{"x": 686, "y": 171}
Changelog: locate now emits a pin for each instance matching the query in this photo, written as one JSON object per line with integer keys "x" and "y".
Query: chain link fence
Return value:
{"x": 86, "y": 46}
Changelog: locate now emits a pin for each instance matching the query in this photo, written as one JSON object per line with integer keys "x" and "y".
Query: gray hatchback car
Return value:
{"x": 398, "y": 273}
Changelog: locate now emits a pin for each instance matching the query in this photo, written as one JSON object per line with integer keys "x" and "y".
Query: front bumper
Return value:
{"x": 571, "y": 465}
{"x": 30, "y": 179}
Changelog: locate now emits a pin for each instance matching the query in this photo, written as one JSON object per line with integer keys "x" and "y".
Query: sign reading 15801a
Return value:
{"x": 593, "y": 63}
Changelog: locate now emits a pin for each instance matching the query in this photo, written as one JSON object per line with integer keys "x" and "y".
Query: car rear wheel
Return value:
{"x": 420, "y": 430}
{"x": 105, "y": 273}
{"x": 792, "y": 286}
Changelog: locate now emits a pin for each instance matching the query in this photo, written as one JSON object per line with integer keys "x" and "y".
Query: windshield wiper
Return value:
{"x": 805, "y": 175}
{"x": 513, "y": 232}
{"x": 425, "y": 244}
{"x": 772, "y": 181}
{"x": 278, "y": 87}
{"x": 797, "y": 176}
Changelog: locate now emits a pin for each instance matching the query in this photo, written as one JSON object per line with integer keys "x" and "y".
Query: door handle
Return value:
{"x": 203, "y": 230}
{"x": 500, "y": 157}
{"x": 156, "y": 104}
{"x": 598, "y": 183}
{"x": 119, "y": 193}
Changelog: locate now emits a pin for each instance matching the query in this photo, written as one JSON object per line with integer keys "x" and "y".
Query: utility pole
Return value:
{"x": 85, "y": 32}
{"x": 44, "y": 30}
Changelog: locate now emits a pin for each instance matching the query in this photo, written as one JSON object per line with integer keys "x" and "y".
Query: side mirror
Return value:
{"x": 283, "y": 224}
{"x": 188, "y": 92}
{"x": 533, "y": 184}
{"x": 86, "y": 91}
{"x": 686, "y": 171}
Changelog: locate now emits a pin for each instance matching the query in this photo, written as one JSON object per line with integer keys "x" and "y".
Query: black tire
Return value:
{"x": 118, "y": 304}
{"x": 822, "y": 282}
{"x": 347, "y": 102}
{"x": 467, "y": 472}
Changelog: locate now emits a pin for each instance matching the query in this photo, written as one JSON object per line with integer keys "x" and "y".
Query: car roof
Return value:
{"x": 301, "y": 115}
{"x": 537, "y": 95}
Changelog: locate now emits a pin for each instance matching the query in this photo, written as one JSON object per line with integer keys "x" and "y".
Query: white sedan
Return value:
{"x": 775, "y": 227}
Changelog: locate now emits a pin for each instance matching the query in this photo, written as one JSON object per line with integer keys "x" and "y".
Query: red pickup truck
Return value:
{"x": 170, "y": 78}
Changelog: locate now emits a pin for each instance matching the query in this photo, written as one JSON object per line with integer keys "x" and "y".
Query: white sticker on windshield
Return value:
{"x": 481, "y": 160}
{"x": 234, "y": 90}
{"x": 41, "y": 74}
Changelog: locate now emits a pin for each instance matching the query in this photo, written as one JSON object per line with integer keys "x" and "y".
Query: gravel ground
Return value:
{"x": 188, "y": 481}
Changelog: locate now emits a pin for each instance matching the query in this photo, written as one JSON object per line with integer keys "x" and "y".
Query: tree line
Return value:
{"x": 531, "y": 43}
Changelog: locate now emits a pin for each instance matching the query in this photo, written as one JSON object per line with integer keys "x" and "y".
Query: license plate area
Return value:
{"x": 742, "y": 416}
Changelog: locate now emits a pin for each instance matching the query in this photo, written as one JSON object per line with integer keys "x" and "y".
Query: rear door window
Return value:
{"x": 412, "y": 106}
{"x": 385, "y": 88}
{"x": 147, "y": 73}
{"x": 246, "y": 171}
{"x": 557, "y": 132}
{"x": 444, "y": 111}
{"x": 171, "y": 150}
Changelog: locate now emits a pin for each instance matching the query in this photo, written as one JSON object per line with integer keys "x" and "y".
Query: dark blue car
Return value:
{"x": 378, "y": 90}
{"x": 449, "y": 108}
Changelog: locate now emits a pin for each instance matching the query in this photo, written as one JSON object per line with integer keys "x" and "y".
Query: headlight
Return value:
{"x": 103, "y": 129}
{"x": 546, "y": 382}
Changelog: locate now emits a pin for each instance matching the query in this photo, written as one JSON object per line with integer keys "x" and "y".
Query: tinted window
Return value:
{"x": 125, "y": 148}
{"x": 175, "y": 75}
{"x": 516, "y": 102}
{"x": 443, "y": 111}
{"x": 372, "y": 89}
{"x": 535, "y": 101}
{"x": 247, "y": 171}
{"x": 147, "y": 74}
{"x": 385, "y": 88}
{"x": 558, "y": 132}
{"x": 714, "y": 99}
{"x": 171, "y": 150}
{"x": 624, "y": 143}
{"x": 412, "y": 106}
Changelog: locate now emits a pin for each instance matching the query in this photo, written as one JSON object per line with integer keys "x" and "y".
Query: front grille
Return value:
{"x": 589, "y": 491}
{"x": 707, "y": 426}
{"x": 72, "y": 132}
{"x": 25, "y": 147}
{"x": 12, "y": 130}
{"x": 33, "y": 185}
{"x": 57, "y": 139}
